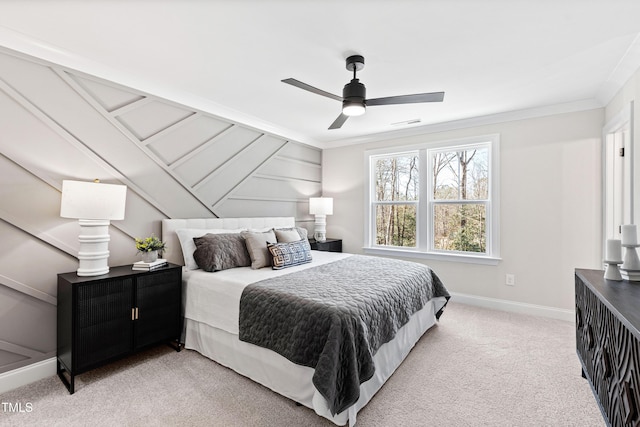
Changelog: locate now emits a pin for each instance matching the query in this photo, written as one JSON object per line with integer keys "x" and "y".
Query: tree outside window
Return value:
{"x": 396, "y": 197}
{"x": 436, "y": 199}
{"x": 460, "y": 194}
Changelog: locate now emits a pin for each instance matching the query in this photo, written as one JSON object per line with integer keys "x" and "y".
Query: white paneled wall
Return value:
{"x": 177, "y": 162}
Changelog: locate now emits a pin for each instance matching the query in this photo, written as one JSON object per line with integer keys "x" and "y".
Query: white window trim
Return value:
{"x": 422, "y": 249}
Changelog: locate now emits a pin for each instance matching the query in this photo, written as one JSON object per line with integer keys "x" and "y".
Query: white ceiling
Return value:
{"x": 491, "y": 57}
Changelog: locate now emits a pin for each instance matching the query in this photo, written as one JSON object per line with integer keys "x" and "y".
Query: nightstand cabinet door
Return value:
{"x": 103, "y": 321}
{"x": 158, "y": 302}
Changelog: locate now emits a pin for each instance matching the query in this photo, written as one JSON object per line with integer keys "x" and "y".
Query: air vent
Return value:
{"x": 407, "y": 122}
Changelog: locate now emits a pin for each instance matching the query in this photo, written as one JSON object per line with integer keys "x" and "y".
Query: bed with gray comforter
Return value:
{"x": 334, "y": 317}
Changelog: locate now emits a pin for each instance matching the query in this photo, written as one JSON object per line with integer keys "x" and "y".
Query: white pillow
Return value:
{"x": 188, "y": 246}
{"x": 291, "y": 234}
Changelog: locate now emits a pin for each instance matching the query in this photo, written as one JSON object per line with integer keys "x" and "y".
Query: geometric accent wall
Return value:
{"x": 226, "y": 166}
{"x": 177, "y": 162}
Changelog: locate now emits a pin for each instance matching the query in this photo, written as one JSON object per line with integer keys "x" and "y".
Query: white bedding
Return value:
{"x": 212, "y": 304}
{"x": 295, "y": 381}
{"x": 214, "y": 298}
{"x": 211, "y": 308}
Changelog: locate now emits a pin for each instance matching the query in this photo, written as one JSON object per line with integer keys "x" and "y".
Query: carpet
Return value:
{"x": 476, "y": 367}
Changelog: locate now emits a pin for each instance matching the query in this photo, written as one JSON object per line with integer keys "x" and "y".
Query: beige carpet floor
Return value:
{"x": 477, "y": 367}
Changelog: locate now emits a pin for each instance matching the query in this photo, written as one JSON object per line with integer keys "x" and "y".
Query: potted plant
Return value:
{"x": 149, "y": 247}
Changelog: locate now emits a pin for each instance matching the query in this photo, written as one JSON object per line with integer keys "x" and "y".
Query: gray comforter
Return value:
{"x": 335, "y": 316}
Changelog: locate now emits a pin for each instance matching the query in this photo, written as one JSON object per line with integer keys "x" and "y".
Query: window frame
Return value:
{"x": 426, "y": 205}
{"x": 374, "y": 203}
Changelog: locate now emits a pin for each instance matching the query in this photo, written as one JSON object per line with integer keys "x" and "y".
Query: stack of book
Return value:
{"x": 148, "y": 266}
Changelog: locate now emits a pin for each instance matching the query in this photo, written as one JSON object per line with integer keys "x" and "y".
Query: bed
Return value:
{"x": 227, "y": 311}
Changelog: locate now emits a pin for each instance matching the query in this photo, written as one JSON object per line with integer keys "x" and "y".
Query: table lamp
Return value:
{"x": 320, "y": 207}
{"x": 93, "y": 204}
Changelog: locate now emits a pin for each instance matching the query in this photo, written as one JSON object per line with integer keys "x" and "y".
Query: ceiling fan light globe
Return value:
{"x": 353, "y": 108}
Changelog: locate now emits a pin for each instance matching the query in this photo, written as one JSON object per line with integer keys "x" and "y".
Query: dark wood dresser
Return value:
{"x": 106, "y": 317}
{"x": 608, "y": 343}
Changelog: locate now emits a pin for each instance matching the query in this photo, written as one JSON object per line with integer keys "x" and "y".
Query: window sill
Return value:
{"x": 405, "y": 253}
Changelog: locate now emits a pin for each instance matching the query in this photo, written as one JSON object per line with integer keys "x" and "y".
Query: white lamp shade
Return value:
{"x": 92, "y": 200}
{"x": 321, "y": 206}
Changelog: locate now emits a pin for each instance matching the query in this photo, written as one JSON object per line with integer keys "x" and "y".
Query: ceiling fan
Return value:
{"x": 354, "y": 102}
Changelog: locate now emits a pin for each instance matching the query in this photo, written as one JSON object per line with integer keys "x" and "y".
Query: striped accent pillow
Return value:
{"x": 290, "y": 254}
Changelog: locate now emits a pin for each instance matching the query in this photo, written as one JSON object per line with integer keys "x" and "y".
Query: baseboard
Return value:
{"x": 515, "y": 307}
{"x": 27, "y": 374}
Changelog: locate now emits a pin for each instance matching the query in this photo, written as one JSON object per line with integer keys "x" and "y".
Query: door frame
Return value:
{"x": 621, "y": 120}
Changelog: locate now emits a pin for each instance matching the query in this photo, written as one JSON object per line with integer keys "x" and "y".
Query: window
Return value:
{"x": 396, "y": 199}
{"x": 436, "y": 201}
{"x": 460, "y": 199}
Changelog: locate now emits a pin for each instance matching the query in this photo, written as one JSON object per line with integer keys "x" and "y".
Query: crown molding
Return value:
{"x": 621, "y": 74}
{"x": 14, "y": 42}
{"x": 20, "y": 44}
{"x": 507, "y": 116}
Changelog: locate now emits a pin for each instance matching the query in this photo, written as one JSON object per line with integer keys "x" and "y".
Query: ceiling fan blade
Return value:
{"x": 337, "y": 123}
{"x": 298, "y": 83}
{"x": 407, "y": 99}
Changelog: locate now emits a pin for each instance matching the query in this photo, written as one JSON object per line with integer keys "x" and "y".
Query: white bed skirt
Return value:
{"x": 295, "y": 381}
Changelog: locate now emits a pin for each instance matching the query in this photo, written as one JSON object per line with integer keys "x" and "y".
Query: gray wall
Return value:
{"x": 59, "y": 124}
{"x": 550, "y": 218}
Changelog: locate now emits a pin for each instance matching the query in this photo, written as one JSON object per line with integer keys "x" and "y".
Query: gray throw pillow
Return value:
{"x": 256, "y": 243}
{"x": 215, "y": 252}
{"x": 186, "y": 235}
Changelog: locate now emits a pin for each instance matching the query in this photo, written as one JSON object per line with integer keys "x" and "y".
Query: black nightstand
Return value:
{"x": 104, "y": 318}
{"x": 329, "y": 245}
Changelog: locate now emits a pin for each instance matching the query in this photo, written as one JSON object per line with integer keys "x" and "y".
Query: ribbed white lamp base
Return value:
{"x": 94, "y": 247}
{"x": 320, "y": 230}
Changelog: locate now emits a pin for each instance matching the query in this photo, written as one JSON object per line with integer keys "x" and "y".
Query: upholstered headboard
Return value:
{"x": 173, "y": 253}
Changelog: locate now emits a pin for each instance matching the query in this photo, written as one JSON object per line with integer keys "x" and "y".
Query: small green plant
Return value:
{"x": 149, "y": 244}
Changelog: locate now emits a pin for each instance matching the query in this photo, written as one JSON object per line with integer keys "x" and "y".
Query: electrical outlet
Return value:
{"x": 510, "y": 279}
